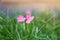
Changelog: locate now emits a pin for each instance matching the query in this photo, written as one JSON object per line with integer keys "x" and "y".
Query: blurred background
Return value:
{"x": 12, "y": 6}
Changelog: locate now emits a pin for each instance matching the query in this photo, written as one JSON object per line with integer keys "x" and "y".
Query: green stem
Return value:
{"x": 18, "y": 35}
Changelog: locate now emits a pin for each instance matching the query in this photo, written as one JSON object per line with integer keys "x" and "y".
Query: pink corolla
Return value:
{"x": 29, "y": 19}
{"x": 21, "y": 18}
{"x": 28, "y": 12}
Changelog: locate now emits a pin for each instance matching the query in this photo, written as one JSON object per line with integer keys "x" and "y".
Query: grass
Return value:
{"x": 43, "y": 27}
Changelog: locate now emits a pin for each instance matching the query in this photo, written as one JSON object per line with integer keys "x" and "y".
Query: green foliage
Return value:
{"x": 43, "y": 27}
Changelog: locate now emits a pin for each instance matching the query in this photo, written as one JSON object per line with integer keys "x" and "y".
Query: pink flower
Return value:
{"x": 29, "y": 19}
{"x": 28, "y": 12}
{"x": 21, "y": 19}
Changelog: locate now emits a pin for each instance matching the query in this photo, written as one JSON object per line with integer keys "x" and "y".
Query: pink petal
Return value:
{"x": 30, "y": 18}
{"x": 28, "y": 12}
{"x": 27, "y": 22}
{"x": 21, "y": 19}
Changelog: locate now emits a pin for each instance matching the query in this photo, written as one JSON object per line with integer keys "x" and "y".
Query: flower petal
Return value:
{"x": 21, "y": 19}
{"x": 27, "y": 22}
